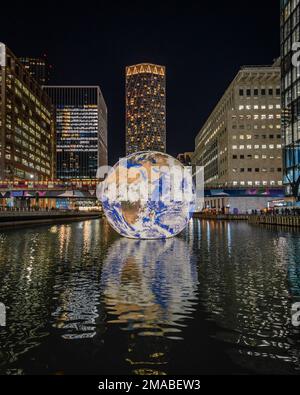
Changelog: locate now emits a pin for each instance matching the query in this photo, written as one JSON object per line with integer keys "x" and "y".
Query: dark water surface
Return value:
{"x": 217, "y": 299}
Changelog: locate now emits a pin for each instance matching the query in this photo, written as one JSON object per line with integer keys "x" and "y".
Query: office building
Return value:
{"x": 81, "y": 130}
{"x": 185, "y": 158}
{"x": 290, "y": 35}
{"x": 240, "y": 144}
{"x": 27, "y": 125}
{"x": 38, "y": 68}
{"x": 145, "y": 108}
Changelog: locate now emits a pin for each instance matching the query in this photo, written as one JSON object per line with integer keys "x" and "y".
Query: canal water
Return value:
{"x": 216, "y": 300}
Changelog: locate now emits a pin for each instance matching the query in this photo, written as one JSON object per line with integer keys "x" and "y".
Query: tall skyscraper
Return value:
{"x": 81, "y": 130}
{"x": 290, "y": 34}
{"x": 38, "y": 68}
{"x": 145, "y": 108}
{"x": 27, "y": 124}
{"x": 240, "y": 144}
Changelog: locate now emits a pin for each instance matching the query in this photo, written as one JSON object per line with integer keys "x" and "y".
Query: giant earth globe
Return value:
{"x": 148, "y": 195}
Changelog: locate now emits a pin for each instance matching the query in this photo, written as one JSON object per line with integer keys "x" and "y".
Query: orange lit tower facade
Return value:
{"x": 145, "y": 108}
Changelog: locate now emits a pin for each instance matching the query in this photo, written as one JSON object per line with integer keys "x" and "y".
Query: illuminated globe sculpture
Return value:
{"x": 148, "y": 195}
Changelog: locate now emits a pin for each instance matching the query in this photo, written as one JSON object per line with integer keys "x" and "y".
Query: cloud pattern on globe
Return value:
{"x": 148, "y": 195}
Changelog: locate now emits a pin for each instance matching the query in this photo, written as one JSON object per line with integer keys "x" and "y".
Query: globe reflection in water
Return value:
{"x": 148, "y": 195}
{"x": 150, "y": 287}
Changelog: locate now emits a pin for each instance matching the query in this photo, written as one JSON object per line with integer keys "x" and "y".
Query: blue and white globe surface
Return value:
{"x": 148, "y": 195}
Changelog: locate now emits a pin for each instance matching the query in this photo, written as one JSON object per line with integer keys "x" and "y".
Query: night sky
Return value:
{"x": 202, "y": 46}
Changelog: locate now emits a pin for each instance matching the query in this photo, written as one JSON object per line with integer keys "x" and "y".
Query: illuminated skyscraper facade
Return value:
{"x": 27, "y": 124}
{"x": 290, "y": 78}
{"x": 145, "y": 108}
{"x": 240, "y": 144}
{"x": 81, "y": 130}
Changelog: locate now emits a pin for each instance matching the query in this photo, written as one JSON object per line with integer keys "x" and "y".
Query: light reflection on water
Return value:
{"x": 217, "y": 299}
{"x": 150, "y": 287}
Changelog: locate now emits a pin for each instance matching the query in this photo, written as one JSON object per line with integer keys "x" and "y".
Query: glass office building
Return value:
{"x": 27, "y": 124}
{"x": 145, "y": 108}
{"x": 290, "y": 34}
{"x": 81, "y": 130}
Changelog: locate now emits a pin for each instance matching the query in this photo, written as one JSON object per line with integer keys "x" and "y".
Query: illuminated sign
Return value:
{"x": 2, "y": 55}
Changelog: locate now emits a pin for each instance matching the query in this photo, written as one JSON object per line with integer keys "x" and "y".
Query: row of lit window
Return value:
{"x": 257, "y": 183}
{"x": 257, "y": 107}
{"x": 262, "y": 117}
{"x": 25, "y": 162}
{"x": 256, "y": 136}
{"x": 256, "y": 127}
{"x": 257, "y": 146}
{"x": 264, "y": 157}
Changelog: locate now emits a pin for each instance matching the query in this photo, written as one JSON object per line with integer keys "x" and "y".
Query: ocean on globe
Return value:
{"x": 148, "y": 195}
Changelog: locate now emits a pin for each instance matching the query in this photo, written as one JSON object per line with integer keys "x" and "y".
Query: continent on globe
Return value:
{"x": 148, "y": 195}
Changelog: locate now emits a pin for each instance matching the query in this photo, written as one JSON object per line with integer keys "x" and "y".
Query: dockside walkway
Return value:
{"x": 259, "y": 219}
{"x": 276, "y": 220}
{"x": 9, "y": 219}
